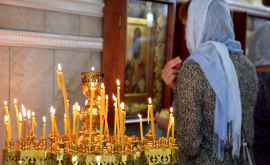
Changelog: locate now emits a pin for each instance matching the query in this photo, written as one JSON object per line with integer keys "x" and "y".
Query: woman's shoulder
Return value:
{"x": 190, "y": 67}
{"x": 191, "y": 73}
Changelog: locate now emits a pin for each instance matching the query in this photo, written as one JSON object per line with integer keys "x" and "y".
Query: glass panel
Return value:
{"x": 146, "y": 41}
{"x": 258, "y": 34}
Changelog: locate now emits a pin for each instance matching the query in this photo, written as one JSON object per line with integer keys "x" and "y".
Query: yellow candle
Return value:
{"x": 24, "y": 123}
{"x": 8, "y": 129}
{"x": 116, "y": 120}
{"x": 122, "y": 128}
{"x": 34, "y": 124}
{"x": 7, "y": 122}
{"x": 54, "y": 130}
{"x": 16, "y": 110}
{"x": 6, "y": 108}
{"x": 28, "y": 123}
{"x": 172, "y": 122}
{"x": 65, "y": 124}
{"x": 170, "y": 130}
{"x": 106, "y": 131}
{"x": 173, "y": 127}
{"x": 76, "y": 118}
{"x": 141, "y": 127}
{"x": 151, "y": 112}
{"x": 44, "y": 127}
{"x": 118, "y": 92}
{"x": 20, "y": 124}
{"x": 102, "y": 109}
{"x": 61, "y": 85}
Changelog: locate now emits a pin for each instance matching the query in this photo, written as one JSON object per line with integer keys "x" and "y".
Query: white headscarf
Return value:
{"x": 210, "y": 39}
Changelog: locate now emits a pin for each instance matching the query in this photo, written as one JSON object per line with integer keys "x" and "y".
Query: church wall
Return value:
{"x": 28, "y": 72}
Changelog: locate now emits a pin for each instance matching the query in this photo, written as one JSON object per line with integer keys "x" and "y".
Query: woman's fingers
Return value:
{"x": 169, "y": 72}
{"x": 174, "y": 62}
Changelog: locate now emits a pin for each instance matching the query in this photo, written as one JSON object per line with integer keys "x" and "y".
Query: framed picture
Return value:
{"x": 138, "y": 61}
{"x": 137, "y": 43}
{"x": 138, "y": 65}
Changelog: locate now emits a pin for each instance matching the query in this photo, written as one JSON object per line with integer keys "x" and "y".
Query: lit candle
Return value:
{"x": 116, "y": 118}
{"x": 122, "y": 120}
{"x": 61, "y": 85}
{"x": 7, "y": 122}
{"x": 151, "y": 113}
{"x": 28, "y": 123}
{"x": 102, "y": 108}
{"x": 24, "y": 124}
{"x": 106, "y": 131}
{"x": 34, "y": 124}
{"x": 20, "y": 124}
{"x": 141, "y": 127}
{"x": 118, "y": 92}
{"x": 44, "y": 127}
{"x": 6, "y": 108}
{"x": 76, "y": 118}
{"x": 170, "y": 130}
{"x": 173, "y": 127}
{"x": 16, "y": 111}
{"x": 8, "y": 129}
{"x": 54, "y": 130}
{"x": 173, "y": 124}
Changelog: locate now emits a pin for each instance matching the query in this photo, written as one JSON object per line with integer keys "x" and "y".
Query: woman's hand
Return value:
{"x": 170, "y": 70}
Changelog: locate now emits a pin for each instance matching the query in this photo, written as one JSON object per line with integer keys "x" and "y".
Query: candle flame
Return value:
{"x": 76, "y": 107}
{"x": 171, "y": 109}
{"x": 93, "y": 69}
{"x": 118, "y": 82}
{"x": 5, "y": 103}
{"x": 20, "y": 116}
{"x": 150, "y": 100}
{"x": 102, "y": 86}
{"x": 6, "y": 119}
{"x": 33, "y": 114}
{"x": 59, "y": 68}
{"x": 44, "y": 119}
{"x": 122, "y": 106}
{"x": 113, "y": 97}
{"x": 107, "y": 97}
{"x": 92, "y": 84}
{"x": 52, "y": 110}
{"x": 24, "y": 113}
{"x": 139, "y": 116}
{"x": 29, "y": 114}
{"x": 15, "y": 101}
{"x": 86, "y": 102}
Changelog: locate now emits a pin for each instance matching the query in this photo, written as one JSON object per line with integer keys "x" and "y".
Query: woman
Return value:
{"x": 215, "y": 90}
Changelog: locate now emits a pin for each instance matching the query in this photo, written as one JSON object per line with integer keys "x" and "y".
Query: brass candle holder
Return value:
{"x": 89, "y": 143}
